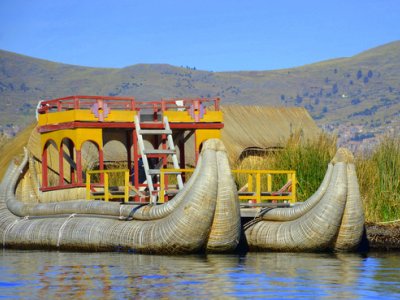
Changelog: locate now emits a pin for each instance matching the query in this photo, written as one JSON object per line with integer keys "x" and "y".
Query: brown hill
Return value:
{"x": 347, "y": 94}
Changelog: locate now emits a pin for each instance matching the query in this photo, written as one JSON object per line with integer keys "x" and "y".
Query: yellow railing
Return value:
{"x": 254, "y": 184}
{"x": 254, "y": 190}
{"x": 107, "y": 194}
{"x": 162, "y": 180}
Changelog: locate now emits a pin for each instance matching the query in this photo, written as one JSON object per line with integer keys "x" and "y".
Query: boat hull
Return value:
{"x": 330, "y": 220}
{"x": 189, "y": 223}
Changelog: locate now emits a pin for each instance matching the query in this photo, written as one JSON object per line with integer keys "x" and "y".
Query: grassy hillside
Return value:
{"x": 358, "y": 96}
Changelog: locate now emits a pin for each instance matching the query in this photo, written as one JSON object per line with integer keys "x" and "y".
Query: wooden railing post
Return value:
{"x": 161, "y": 195}
{"x": 250, "y": 182}
{"x": 106, "y": 189}
{"x": 126, "y": 187}
{"x": 269, "y": 183}
{"x": 88, "y": 186}
{"x": 294, "y": 188}
{"x": 258, "y": 187}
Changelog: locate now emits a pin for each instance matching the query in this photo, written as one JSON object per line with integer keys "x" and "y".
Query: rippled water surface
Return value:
{"x": 44, "y": 275}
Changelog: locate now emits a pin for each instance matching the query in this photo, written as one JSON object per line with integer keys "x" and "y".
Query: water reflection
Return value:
{"x": 38, "y": 275}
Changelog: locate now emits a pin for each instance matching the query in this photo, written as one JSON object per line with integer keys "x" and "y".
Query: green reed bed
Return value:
{"x": 308, "y": 158}
{"x": 379, "y": 178}
{"x": 378, "y": 172}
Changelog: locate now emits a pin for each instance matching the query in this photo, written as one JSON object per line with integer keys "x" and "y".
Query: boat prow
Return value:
{"x": 331, "y": 219}
{"x": 202, "y": 217}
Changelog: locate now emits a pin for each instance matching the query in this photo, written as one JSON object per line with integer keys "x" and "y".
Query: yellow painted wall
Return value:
{"x": 78, "y": 136}
{"x": 205, "y": 134}
{"x": 184, "y": 116}
{"x": 84, "y": 115}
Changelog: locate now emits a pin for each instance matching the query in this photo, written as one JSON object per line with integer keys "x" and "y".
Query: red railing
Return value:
{"x": 186, "y": 104}
{"x": 124, "y": 103}
{"x": 85, "y": 102}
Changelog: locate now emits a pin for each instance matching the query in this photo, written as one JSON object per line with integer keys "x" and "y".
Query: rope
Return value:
{"x": 62, "y": 228}
{"x": 257, "y": 218}
{"x": 130, "y": 216}
{"x": 264, "y": 211}
{"x": 120, "y": 211}
{"x": 11, "y": 226}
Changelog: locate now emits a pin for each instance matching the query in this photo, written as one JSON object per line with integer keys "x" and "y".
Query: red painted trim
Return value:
{"x": 71, "y": 148}
{"x": 45, "y": 180}
{"x": 121, "y": 103}
{"x": 101, "y": 165}
{"x": 196, "y": 150}
{"x": 128, "y": 150}
{"x": 164, "y": 161}
{"x": 135, "y": 162}
{"x": 196, "y": 125}
{"x": 79, "y": 167}
{"x": 182, "y": 162}
{"x": 61, "y": 165}
{"x": 79, "y": 124}
{"x": 65, "y": 186}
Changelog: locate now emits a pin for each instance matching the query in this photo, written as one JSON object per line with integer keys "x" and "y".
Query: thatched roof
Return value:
{"x": 263, "y": 127}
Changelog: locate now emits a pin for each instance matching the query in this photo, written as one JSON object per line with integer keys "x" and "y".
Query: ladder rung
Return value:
{"x": 154, "y": 171}
{"x": 155, "y": 131}
{"x": 159, "y": 151}
{"x": 157, "y": 172}
{"x": 173, "y": 172}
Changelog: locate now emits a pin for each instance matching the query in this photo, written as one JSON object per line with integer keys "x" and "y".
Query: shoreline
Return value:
{"x": 383, "y": 237}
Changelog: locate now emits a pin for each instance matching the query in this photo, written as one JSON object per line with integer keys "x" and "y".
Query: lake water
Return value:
{"x": 49, "y": 275}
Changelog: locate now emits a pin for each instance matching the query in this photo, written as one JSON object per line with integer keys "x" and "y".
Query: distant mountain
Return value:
{"x": 358, "y": 96}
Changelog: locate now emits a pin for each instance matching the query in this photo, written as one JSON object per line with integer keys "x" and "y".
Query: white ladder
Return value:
{"x": 170, "y": 151}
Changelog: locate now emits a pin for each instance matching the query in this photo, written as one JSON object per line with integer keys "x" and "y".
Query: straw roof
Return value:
{"x": 263, "y": 127}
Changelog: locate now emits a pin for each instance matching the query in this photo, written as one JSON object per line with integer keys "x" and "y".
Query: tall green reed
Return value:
{"x": 379, "y": 178}
{"x": 309, "y": 158}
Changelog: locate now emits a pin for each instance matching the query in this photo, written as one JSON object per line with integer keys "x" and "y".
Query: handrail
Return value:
{"x": 255, "y": 192}
{"x": 122, "y": 103}
{"x": 161, "y": 195}
{"x": 107, "y": 195}
{"x": 85, "y": 102}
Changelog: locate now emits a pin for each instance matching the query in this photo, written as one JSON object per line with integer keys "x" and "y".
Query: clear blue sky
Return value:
{"x": 208, "y": 34}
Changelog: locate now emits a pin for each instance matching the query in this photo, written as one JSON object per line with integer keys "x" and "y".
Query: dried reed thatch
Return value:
{"x": 204, "y": 216}
{"x": 331, "y": 219}
{"x": 263, "y": 127}
{"x": 259, "y": 128}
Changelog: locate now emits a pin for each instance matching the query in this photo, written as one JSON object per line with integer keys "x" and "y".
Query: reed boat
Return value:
{"x": 203, "y": 217}
{"x": 332, "y": 219}
{"x": 48, "y": 201}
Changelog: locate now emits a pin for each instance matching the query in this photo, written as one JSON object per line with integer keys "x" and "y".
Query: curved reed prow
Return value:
{"x": 204, "y": 216}
{"x": 331, "y": 219}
